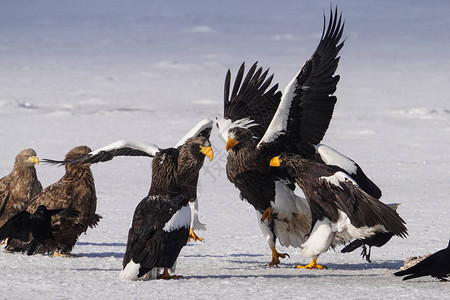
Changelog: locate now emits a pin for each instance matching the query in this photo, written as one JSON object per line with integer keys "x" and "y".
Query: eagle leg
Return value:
{"x": 312, "y": 265}
{"x": 167, "y": 276}
{"x": 5, "y": 242}
{"x": 276, "y": 257}
{"x": 193, "y": 236}
{"x": 267, "y": 215}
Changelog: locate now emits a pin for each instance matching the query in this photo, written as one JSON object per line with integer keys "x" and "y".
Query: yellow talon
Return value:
{"x": 5, "y": 242}
{"x": 56, "y": 253}
{"x": 312, "y": 265}
{"x": 267, "y": 215}
{"x": 193, "y": 236}
{"x": 276, "y": 257}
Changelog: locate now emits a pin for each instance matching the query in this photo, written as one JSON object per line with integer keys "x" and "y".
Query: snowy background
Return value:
{"x": 92, "y": 72}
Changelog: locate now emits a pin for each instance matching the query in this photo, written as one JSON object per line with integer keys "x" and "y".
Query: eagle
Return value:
{"x": 20, "y": 186}
{"x": 191, "y": 161}
{"x": 161, "y": 221}
{"x": 436, "y": 265}
{"x": 379, "y": 239}
{"x": 74, "y": 190}
{"x": 260, "y": 122}
{"x": 35, "y": 228}
{"x": 340, "y": 210}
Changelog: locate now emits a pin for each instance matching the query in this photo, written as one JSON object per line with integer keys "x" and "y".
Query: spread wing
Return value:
{"x": 203, "y": 128}
{"x": 108, "y": 152}
{"x": 307, "y": 104}
{"x": 18, "y": 227}
{"x": 249, "y": 105}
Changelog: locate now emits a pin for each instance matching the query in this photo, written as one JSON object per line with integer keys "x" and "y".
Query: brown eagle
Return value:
{"x": 20, "y": 186}
{"x": 74, "y": 190}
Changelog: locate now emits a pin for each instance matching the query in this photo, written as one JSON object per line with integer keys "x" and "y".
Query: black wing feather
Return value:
{"x": 313, "y": 103}
{"x": 19, "y": 227}
{"x": 249, "y": 98}
{"x": 102, "y": 156}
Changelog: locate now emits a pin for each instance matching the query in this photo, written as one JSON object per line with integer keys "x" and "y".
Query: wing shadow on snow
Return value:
{"x": 102, "y": 244}
{"x": 392, "y": 265}
{"x": 102, "y": 254}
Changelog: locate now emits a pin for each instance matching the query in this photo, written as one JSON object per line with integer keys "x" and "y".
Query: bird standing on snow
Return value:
{"x": 161, "y": 221}
{"x": 436, "y": 265}
{"x": 260, "y": 124}
{"x": 20, "y": 186}
{"x": 34, "y": 228}
{"x": 75, "y": 190}
{"x": 340, "y": 209}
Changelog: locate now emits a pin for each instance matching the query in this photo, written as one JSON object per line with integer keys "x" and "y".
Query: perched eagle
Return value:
{"x": 34, "y": 228}
{"x": 436, "y": 265}
{"x": 340, "y": 210}
{"x": 259, "y": 124}
{"x": 74, "y": 190}
{"x": 20, "y": 186}
{"x": 379, "y": 239}
{"x": 161, "y": 221}
{"x": 193, "y": 147}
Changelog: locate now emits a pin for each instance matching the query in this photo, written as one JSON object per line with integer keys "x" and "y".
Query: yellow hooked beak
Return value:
{"x": 33, "y": 159}
{"x": 231, "y": 143}
{"x": 275, "y": 162}
{"x": 207, "y": 151}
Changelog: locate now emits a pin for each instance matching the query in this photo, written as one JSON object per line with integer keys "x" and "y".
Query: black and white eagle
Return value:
{"x": 34, "y": 228}
{"x": 260, "y": 122}
{"x": 161, "y": 222}
{"x": 436, "y": 265}
{"x": 341, "y": 210}
{"x": 192, "y": 160}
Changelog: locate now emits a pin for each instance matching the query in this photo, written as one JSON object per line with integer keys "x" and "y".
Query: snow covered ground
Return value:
{"x": 92, "y": 72}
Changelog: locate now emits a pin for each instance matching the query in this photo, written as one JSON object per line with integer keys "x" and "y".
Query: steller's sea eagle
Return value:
{"x": 20, "y": 186}
{"x": 259, "y": 122}
{"x": 161, "y": 221}
{"x": 74, "y": 190}
{"x": 436, "y": 265}
{"x": 188, "y": 171}
{"x": 35, "y": 228}
{"x": 340, "y": 210}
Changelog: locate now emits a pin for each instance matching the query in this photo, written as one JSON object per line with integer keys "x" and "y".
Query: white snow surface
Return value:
{"x": 92, "y": 72}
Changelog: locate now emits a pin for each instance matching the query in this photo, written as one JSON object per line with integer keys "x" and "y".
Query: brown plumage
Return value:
{"x": 20, "y": 186}
{"x": 75, "y": 190}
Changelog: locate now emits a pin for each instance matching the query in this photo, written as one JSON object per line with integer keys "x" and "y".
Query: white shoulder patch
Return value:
{"x": 332, "y": 157}
{"x": 202, "y": 125}
{"x": 278, "y": 125}
{"x": 151, "y": 149}
{"x": 337, "y": 178}
{"x": 182, "y": 218}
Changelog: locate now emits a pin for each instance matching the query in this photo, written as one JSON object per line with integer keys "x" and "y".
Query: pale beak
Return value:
{"x": 230, "y": 144}
{"x": 275, "y": 162}
{"x": 33, "y": 159}
{"x": 207, "y": 151}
